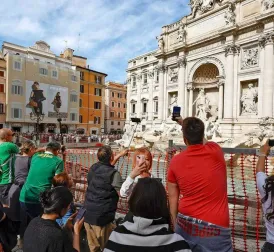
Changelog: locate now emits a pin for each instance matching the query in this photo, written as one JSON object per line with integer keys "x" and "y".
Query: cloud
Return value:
{"x": 111, "y": 31}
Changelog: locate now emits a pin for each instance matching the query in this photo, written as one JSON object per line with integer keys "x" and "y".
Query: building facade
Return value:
{"x": 2, "y": 90}
{"x": 216, "y": 64}
{"x": 92, "y": 98}
{"x": 39, "y": 82}
{"x": 115, "y": 107}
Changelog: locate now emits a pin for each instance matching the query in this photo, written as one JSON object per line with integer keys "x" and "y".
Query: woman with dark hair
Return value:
{"x": 147, "y": 227}
{"x": 265, "y": 186}
{"x": 36, "y": 98}
{"x": 57, "y": 102}
{"x": 44, "y": 234}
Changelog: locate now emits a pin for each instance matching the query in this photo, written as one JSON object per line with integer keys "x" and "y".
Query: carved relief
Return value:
{"x": 150, "y": 74}
{"x": 230, "y": 16}
{"x": 181, "y": 62}
{"x": 267, "y": 4}
{"x": 266, "y": 39}
{"x": 139, "y": 76}
{"x": 173, "y": 75}
{"x": 161, "y": 67}
{"x": 250, "y": 58}
{"x": 232, "y": 49}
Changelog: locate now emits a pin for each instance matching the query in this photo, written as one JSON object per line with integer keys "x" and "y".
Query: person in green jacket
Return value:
{"x": 7, "y": 153}
{"x": 44, "y": 166}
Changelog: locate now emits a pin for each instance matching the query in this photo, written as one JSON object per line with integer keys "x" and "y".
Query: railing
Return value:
{"x": 246, "y": 221}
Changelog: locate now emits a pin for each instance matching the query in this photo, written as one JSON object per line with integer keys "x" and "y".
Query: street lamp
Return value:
{"x": 59, "y": 119}
{"x": 38, "y": 118}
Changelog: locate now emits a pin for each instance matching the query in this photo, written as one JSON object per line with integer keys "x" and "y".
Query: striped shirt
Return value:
{"x": 140, "y": 234}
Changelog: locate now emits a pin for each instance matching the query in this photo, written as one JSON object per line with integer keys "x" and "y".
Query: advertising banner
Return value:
{"x": 50, "y": 100}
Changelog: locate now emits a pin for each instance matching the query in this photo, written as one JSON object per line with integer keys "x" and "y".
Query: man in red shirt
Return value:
{"x": 197, "y": 187}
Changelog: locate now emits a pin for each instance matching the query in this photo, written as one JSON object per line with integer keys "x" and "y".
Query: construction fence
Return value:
{"x": 246, "y": 221}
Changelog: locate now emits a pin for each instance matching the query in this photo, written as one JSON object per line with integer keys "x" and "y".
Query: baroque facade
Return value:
{"x": 216, "y": 64}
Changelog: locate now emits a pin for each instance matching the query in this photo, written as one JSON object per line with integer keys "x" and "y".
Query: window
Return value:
{"x": 1, "y": 73}
{"x": 2, "y": 108}
{"x": 112, "y": 104}
{"x": 80, "y": 103}
{"x": 16, "y": 88}
{"x": 74, "y": 78}
{"x": 144, "y": 107}
{"x": 134, "y": 81}
{"x": 73, "y": 117}
{"x": 145, "y": 59}
{"x": 119, "y": 105}
{"x": 157, "y": 76}
{"x": 98, "y": 91}
{"x": 16, "y": 113}
{"x": 80, "y": 119}
{"x": 119, "y": 115}
{"x": 97, "y": 120}
{"x": 82, "y": 90}
{"x": 2, "y": 88}
{"x": 111, "y": 114}
{"x": 133, "y": 108}
{"x": 125, "y": 115}
{"x": 134, "y": 63}
{"x": 156, "y": 106}
{"x": 98, "y": 79}
{"x": 97, "y": 105}
{"x": 118, "y": 123}
{"x": 125, "y": 105}
{"x": 125, "y": 96}
{"x": 73, "y": 97}
{"x": 112, "y": 123}
{"x": 54, "y": 74}
{"x": 82, "y": 75}
{"x": 119, "y": 95}
{"x": 112, "y": 94}
{"x": 17, "y": 65}
{"x": 145, "y": 78}
{"x": 43, "y": 71}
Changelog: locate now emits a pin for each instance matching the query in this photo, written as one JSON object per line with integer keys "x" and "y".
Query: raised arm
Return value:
{"x": 119, "y": 155}
{"x": 264, "y": 151}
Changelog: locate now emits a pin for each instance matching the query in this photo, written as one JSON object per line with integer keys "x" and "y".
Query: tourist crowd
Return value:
{"x": 37, "y": 205}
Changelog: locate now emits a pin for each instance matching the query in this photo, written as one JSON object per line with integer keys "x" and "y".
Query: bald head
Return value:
{"x": 6, "y": 135}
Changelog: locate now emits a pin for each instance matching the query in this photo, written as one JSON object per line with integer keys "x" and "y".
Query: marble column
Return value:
{"x": 129, "y": 84}
{"x": 139, "y": 89}
{"x": 190, "y": 103}
{"x": 161, "y": 69}
{"x": 181, "y": 63}
{"x": 266, "y": 41}
{"x": 229, "y": 86}
{"x": 220, "y": 85}
{"x": 150, "y": 102}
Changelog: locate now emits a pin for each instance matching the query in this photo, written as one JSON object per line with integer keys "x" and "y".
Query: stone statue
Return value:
{"x": 250, "y": 57}
{"x": 181, "y": 33}
{"x": 173, "y": 103}
{"x": 160, "y": 43}
{"x": 249, "y": 99}
{"x": 230, "y": 16}
{"x": 173, "y": 75}
{"x": 202, "y": 105}
{"x": 127, "y": 136}
{"x": 267, "y": 4}
{"x": 202, "y": 5}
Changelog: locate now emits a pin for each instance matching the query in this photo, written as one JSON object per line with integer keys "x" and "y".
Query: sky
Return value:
{"x": 107, "y": 32}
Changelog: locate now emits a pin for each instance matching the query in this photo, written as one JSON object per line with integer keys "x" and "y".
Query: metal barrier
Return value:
{"x": 246, "y": 221}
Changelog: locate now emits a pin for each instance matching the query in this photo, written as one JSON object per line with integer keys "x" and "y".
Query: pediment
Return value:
{"x": 42, "y": 46}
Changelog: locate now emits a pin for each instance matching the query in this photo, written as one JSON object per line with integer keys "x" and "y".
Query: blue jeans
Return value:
{"x": 203, "y": 236}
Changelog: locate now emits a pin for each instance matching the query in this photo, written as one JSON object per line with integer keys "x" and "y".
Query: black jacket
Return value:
{"x": 101, "y": 197}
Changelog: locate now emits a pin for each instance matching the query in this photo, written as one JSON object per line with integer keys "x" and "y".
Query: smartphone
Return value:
{"x": 176, "y": 113}
{"x": 80, "y": 214}
{"x": 271, "y": 142}
{"x": 140, "y": 159}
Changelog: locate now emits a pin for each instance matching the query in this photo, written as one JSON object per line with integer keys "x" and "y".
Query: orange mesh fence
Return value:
{"x": 246, "y": 220}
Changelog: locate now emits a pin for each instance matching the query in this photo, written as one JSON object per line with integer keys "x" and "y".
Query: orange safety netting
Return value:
{"x": 246, "y": 220}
